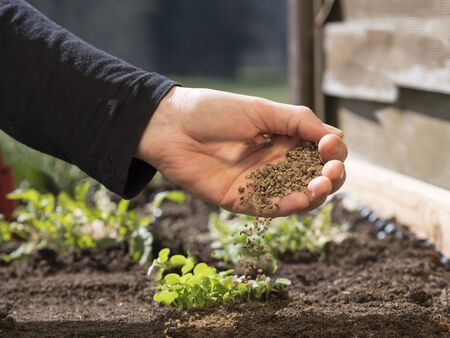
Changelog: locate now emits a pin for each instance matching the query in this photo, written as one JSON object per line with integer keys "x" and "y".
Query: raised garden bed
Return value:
{"x": 366, "y": 286}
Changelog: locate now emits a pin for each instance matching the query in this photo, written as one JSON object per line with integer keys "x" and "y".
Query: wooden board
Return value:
{"x": 370, "y": 60}
{"x": 423, "y": 207}
{"x": 411, "y": 137}
{"x": 387, "y": 77}
{"x": 376, "y": 9}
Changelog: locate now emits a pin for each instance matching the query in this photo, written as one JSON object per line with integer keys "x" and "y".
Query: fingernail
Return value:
{"x": 335, "y": 150}
{"x": 332, "y": 129}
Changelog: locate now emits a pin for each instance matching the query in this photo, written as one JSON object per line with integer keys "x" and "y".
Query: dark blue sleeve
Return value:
{"x": 62, "y": 96}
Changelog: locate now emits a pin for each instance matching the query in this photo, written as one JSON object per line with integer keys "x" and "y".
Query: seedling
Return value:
{"x": 63, "y": 223}
{"x": 5, "y": 232}
{"x": 255, "y": 256}
{"x": 289, "y": 234}
{"x": 186, "y": 285}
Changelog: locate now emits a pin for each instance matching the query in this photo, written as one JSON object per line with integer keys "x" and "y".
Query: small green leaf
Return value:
{"x": 166, "y": 297}
{"x": 283, "y": 281}
{"x": 176, "y": 196}
{"x": 30, "y": 195}
{"x": 159, "y": 275}
{"x": 172, "y": 279}
{"x": 123, "y": 207}
{"x": 81, "y": 191}
{"x": 194, "y": 280}
{"x": 144, "y": 221}
{"x": 202, "y": 269}
{"x": 228, "y": 282}
{"x": 65, "y": 201}
{"x": 177, "y": 287}
{"x": 226, "y": 296}
{"x": 186, "y": 277}
{"x": 242, "y": 288}
{"x": 227, "y": 272}
{"x": 240, "y": 239}
{"x": 178, "y": 260}
{"x": 163, "y": 255}
{"x": 274, "y": 267}
{"x": 188, "y": 266}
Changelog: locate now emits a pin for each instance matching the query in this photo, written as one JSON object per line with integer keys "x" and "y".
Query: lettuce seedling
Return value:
{"x": 63, "y": 223}
{"x": 5, "y": 231}
{"x": 289, "y": 234}
{"x": 186, "y": 285}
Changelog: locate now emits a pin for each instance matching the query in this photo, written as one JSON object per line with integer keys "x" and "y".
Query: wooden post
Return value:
{"x": 319, "y": 108}
{"x": 6, "y": 186}
{"x": 300, "y": 53}
{"x": 321, "y": 11}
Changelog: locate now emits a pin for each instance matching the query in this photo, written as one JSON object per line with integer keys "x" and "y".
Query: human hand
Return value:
{"x": 208, "y": 141}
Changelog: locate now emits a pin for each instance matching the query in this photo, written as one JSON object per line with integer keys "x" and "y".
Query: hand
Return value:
{"x": 208, "y": 141}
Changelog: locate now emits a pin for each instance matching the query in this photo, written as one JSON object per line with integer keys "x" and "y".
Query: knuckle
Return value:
{"x": 304, "y": 110}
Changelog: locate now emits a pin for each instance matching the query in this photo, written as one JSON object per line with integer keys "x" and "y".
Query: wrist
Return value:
{"x": 148, "y": 148}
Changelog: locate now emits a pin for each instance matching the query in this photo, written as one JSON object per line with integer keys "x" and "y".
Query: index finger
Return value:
{"x": 295, "y": 121}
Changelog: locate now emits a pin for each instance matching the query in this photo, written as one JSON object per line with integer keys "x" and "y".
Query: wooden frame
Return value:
{"x": 421, "y": 206}
{"x": 424, "y": 208}
{"x": 300, "y": 52}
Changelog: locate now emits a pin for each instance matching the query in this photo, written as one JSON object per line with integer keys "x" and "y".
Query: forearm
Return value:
{"x": 64, "y": 97}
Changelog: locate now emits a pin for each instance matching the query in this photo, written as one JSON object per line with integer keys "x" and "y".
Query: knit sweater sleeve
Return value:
{"x": 64, "y": 97}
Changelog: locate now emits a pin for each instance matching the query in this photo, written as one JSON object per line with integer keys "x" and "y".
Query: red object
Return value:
{"x": 6, "y": 186}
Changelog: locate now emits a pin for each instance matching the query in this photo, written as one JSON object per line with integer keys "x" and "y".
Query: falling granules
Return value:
{"x": 274, "y": 181}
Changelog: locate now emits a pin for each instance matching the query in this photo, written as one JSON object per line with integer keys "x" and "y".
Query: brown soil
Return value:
{"x": 277, "y": 180}
{"x": 46, "y": 262}
{"x": 395, "y": 287}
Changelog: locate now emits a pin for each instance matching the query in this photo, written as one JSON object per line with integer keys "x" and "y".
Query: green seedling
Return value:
{"x": 5, "y": 231}
{"x": 63, "y": 223}
{"x": 255, "y": 256}
{"x": 283, "y": 235}
{"x": 186, "y": 285}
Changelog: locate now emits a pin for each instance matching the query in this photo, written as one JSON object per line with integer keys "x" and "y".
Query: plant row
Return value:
{"x": 90, "y": 218}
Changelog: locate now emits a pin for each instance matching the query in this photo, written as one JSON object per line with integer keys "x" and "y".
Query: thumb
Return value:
{"x": 294, "y": 121}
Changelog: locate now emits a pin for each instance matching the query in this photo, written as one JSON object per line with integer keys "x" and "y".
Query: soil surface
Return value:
{"x": 366, "y": 287}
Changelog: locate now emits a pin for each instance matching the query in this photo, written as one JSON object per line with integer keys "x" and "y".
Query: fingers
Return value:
{"x": 294, "y": 121}
{"x": 333, "y": 177}
{"x": 316, "y": 193}
{"x": 333, "y": 152}
{"x": 292, "y": 203}
{"x": 332, "y": 147}
{"x": 334, "y": 170}
{"x": 317, "y": 188}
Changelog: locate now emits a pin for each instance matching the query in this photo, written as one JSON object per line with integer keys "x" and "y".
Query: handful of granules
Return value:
{"x": 277, "y": 180}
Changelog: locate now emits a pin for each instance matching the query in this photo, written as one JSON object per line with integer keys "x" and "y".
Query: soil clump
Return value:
{"x": 276, "y": 180}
